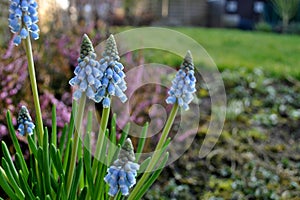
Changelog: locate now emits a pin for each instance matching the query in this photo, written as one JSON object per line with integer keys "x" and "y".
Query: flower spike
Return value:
{"x": 22, "y": 19}
{"x": 121, "y": 174}
{"x": 183, "y": 86}
{"x": 87, "y": 74}
{"x": 25, "y": 124}
{"x": 113, "y": 83}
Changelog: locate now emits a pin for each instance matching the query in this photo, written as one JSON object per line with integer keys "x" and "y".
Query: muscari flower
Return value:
{"x": 22, "y": 19}
{"x": 121, "y": 174}
{"x": 113, "y": 83}
{"x": 88, "y": 76}
{"x": 25, "y": 124}
{"x": 183, "y": 86}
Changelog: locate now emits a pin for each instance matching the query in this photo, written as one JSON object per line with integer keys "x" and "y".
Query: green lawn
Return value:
{"x": 278, "y": 54}
{"x": 275, "y": 53}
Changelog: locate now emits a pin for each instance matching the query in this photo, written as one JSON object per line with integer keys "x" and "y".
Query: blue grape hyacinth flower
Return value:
{"x": 23, "y": 18}
{"x": 121, "y": 174}
{"x": 25, "y": 124}
{"x": 183, "y": 85}
{"x": 113, "y": 83}
{"x": 87, "y": 73}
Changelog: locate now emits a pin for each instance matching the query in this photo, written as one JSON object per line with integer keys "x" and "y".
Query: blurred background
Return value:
{"x": 254, "y": 43}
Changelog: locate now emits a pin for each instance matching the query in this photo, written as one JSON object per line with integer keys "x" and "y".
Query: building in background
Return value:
{"x": 211, "y": 13}
{"x": 243, "y": 14}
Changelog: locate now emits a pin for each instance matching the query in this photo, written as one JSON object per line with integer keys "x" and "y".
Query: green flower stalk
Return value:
{"x": 112, "y": 84}
{"x": 86, "y": 75}
{"x": 32, "y": 76}
{"x": 22, "y": 21}
{"x": 183, "y": 85}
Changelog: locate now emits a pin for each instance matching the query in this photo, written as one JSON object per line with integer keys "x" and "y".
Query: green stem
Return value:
{"x": 78, "y": 120}
{"x": 34, "y": 88}
{"x": 101, "y": 135}
{"x": 157, "y": 152}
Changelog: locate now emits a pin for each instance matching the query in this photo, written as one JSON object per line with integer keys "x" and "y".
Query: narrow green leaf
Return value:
{"x": 167, "y": 143}
{"x": 116, "y": 153}
{"x": 142, "y": 141}
{"x": 102, "y": 169}
{"x": 5, "y": 186}
{"x": 54, "y": 183}
{"x": 75, "y": 183}
{"x": 63, "y": 138}
{"x": 54, "y": 128}
{"x": 12, "y": 181}
{"x": 56, "y": 159}
{"x": 18, "y": 161}
{"x": 65, "y": 154}
{"x": 152, "y": 179}
{"x": 118, "y": 196}
{"x": 88, "y": 163}
{"x": 96, "y": 193}
{"x": 80, "y": 156}
{"x": 46, "y": 163}
{"x": 16, "y": 144}
{"x": 162, "y": 151}
{"x": 27, "y": 190}
{"x": 124, "y": 134}
{"x": 83, "y": 194}
{"x": 33, "y": 179}
{"x": 144, "y": 165}
{"x": 159, "y": 155}
{"x": 113, "y": 123}
{"x": 100, "y": 140}
{"x": 61, "y": 194}
{"x": 67, "y": 162}
{"x": 72, "y": 120}
{"x": 89, "y": 125}
{"x": 156, "y": 155}
{"x": 111, "y": 146}
{"x": 79, "y": 153}
{"x": 10, "y": 163}
{"x": 39, "y": 163}
{"x": 32, "y": 145}
{"x": 87, "y": 150}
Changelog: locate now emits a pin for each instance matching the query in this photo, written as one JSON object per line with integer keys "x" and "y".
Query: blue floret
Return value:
{"x": 22, "y": 20}
{"x": 183, "y": 85}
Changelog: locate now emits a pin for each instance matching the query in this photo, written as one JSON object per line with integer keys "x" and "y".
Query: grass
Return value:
{"x": 275, "y": 53}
